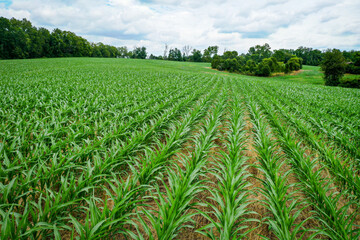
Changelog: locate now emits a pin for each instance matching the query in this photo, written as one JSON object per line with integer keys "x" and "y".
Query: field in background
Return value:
{"x": 120, "y": 148}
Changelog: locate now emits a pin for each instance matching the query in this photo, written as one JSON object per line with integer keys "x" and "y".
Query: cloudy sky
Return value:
{"x": 230, "y": 24}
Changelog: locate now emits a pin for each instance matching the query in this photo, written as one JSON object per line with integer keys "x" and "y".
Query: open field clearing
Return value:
{"x": 140, "y": 149}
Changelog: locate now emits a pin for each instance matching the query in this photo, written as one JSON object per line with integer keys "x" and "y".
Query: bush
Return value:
{"x": 294, "y": 64}
{"x": 250, "y": 66}
{"x": 287, "y": 68}
{"x": 215, "y": 62}
{"x": 350, "y": 83}
{"x": 352, "y": 68}
{"x": 232, "y": 65}
{"x": 221, "y": 65}
{"x": 263, "y": 69}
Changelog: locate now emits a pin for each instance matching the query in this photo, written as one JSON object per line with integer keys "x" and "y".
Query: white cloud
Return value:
{"x": 230, "y": 24}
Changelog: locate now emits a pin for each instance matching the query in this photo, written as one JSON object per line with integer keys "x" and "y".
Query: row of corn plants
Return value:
{"x": 95, "y": 168}
{"x": 337, "y": 222}
{"x": 69, "y": 181}
{"x": 64, "y": 163}
{"x": 42, "y": 151}
{"x": 129, "y": 193}
{"x": 340, "y": 166}
{"x": 279, "y": 195}
{"x": 184, "y": 184}
{"x": 231, "y": 193}
{"x": 335, "y": 124}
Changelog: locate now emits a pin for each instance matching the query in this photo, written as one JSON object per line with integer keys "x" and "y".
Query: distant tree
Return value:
{"x": 231, "y": 65}
{"x": 209, "y": 53}
{"x": 6, "y": 43}
{"x": 196, "y": 56}
{"x": 175, "y": 55}
{"x": 279, "y": 55}
{"x": 333, "y": 66}
{"x": 230, "y": 54}
{"x": 357, "y": 59}
{"x": 295, "y": 64}
{"x": 139, "y": 52}
{"x": 272, "y": 63}
{"x": 216, "y": 61}
{"x": 250, "y": 67}
{"x": 287, "y": 68}
{"x": 310, "y": 56}
{"x": 123, "y": 52}
{"x": 259, "y": 52}
{"x": 263, "y": 69}
{"x": 19, "y": 39}
{"x": 283, "y": 55}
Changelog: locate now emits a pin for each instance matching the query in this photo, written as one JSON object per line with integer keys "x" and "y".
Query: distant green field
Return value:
{"x": 144, "y": 149}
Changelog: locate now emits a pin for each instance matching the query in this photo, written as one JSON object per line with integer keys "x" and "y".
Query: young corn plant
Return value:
{"x": 174, "y": 205}
{"x": 231, "y": 194}
{"x": 340, "y": 166}
{"x": 283, "y": 206}
{"x": 332, "y": 123}
{"x": 337, "y": 222}
{"x": 128, "y": 194}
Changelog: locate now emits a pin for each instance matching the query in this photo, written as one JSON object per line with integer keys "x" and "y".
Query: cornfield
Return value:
{"x": 135, "y": 149}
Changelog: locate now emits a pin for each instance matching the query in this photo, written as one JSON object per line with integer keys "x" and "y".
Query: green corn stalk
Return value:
{"x": 230, "y": 194}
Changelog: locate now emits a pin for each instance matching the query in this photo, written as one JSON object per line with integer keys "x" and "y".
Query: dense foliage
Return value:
{"x": 350, "y": 83}
{"x": 20, "y": 39}
{"x": 333, "y": 66}
{"x": 353, "y": 66}
{"x": 258, "y": 61}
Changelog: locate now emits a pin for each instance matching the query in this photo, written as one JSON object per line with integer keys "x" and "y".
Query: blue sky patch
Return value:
{"x": 7, "y": 3}
{"x": 260, "y": 34}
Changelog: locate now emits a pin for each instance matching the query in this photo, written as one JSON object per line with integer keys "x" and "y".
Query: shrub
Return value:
{"x": 352, "y": 68}
{"x": 350, "y": 83}
{"x": 216, "y": 61}
{"x": 232, "y": 65}
{"x": 263, "y": 69}
{"x": 294, "y": 64}
{"x": 287, "y": 68}
{"x": 250, "y": 66}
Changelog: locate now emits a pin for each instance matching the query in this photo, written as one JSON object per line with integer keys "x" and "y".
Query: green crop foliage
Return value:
{"x": 138, "y": 149}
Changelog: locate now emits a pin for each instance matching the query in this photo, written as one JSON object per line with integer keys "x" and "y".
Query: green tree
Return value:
{"x": 139, "y": 52}
{"x": 250, "y": 67}
{"x": 232, "y": 65}
{"x": 209, "y": 53}
{"x": 216, "y": 61}
{"x": 230, "y": 54}
{"x": 294, "y": 64}
{"x": 123, "y": 52}
{"x": 259, "y": 52}
{"x": 333, "y": 66}
{"x": 357, "y": 59}
{"x": 196, "y": 56}
{"x": 175, "y": 55}
{"x": 263, "y": 69}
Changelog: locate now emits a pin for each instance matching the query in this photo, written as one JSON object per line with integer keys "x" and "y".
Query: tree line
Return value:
{"x": 20, "y": 39}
